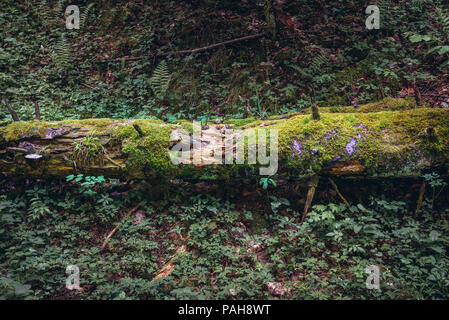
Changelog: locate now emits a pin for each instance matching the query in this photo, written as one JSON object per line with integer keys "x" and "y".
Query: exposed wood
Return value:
{"x": 422, "y": 191}
{"x": 112, "y": 161}
{"x": 15, "y": 149}
{"x": 338, "y": 192}
{"x": 167, "y": 269}
{"x": 310, "y": 194}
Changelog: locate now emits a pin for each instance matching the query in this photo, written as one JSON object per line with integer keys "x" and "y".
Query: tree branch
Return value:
{"x": 14, "y": 115}
{"x": 188, "y": 51}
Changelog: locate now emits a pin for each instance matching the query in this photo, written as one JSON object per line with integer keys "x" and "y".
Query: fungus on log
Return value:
{"x": 347, "y": 143}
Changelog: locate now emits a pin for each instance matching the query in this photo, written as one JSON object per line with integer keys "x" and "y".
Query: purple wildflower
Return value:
{"x": 351, "y": 146}
{"x": 297, "y": 145}
{"x": 330, "y": 135}
{"x": 314, "y": 151}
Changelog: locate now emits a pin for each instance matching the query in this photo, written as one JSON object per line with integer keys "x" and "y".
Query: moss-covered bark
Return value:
{"x": 364, "y": 141}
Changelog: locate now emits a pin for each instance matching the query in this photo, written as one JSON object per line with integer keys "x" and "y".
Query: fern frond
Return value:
{"x": 57, "y": 13}
{"x": 418, "y": 5}
{"x": 47, "y": 14}
{"x": 443, "y": 20}
{"x": 44, "y": 12}
{"x": 61, "y": 53}
{"x": 160, "y": 81}
{"x": 85, "y": 16}
{"x": 318, "y": 61}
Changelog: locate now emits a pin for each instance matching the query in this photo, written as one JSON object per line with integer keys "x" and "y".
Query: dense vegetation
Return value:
{"x": 155, "y": 230}
{"x": 226, "y": 248}
{"x": 115, "y": 64}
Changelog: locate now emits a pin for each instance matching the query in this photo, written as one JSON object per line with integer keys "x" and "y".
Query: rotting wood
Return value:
{"x": 310, "y": 194}
{"x": 422, "y": 191}
{"x": 132, "y": 155}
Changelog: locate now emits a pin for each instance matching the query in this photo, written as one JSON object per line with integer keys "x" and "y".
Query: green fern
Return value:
{"x": 443, "y": 20}
{"x": 49, "y": 15}
{"x": 418, "y": 5}
{"x": 85, "y": 16}
{"x": 61, "y": 53}
{"x": 57, "y": 12}
{"x": 318, "y": 61}
{"x": 44, "y": 12}
{"x": 160, "y": 81}
{"x": 390, "y": 13}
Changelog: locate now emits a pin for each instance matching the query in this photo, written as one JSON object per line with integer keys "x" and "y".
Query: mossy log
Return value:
{"x": 367, "y": 141}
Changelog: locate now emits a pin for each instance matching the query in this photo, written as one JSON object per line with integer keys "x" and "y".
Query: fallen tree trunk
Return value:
{"x": 401, "y": 143}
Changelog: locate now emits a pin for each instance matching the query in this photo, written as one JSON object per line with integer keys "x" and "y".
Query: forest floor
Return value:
{"x": 202, "y": 241}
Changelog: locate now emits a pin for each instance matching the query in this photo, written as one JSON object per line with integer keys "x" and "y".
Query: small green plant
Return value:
{"x": 88, "y": 151}
{"x": 436, "y": 183}
{"x": 86, "y": 182}
{"x": 266, "y": 182}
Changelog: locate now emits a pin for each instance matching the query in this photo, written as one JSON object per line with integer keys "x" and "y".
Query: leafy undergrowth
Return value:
{"x": 46, "y": 228}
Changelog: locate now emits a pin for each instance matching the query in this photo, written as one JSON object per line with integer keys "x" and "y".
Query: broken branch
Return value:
{"x": 118, "y": 226}
{"x": 188, "y": 51}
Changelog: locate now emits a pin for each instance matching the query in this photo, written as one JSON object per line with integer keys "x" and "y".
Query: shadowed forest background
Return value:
{"x": 152, "y": 231}
{"x": 103, "y": 69}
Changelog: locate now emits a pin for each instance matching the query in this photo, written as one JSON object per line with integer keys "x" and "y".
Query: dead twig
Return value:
{"x": 118, "y": 226}
{"x": 188, "y": 51}
{"x": 112, "y": 161}
{"x": 338, "y": 192}
{"x": 169, "y": 266}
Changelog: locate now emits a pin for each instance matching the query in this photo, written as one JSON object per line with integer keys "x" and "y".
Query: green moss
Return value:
{"x": 148, "y": 155}
{"x": 186, "y": 125}
{"x": 240, "y": 122}
{"x": 388, "y": 140}
{"x": 15, "y": 130}
{"x": 387, "y": 104}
